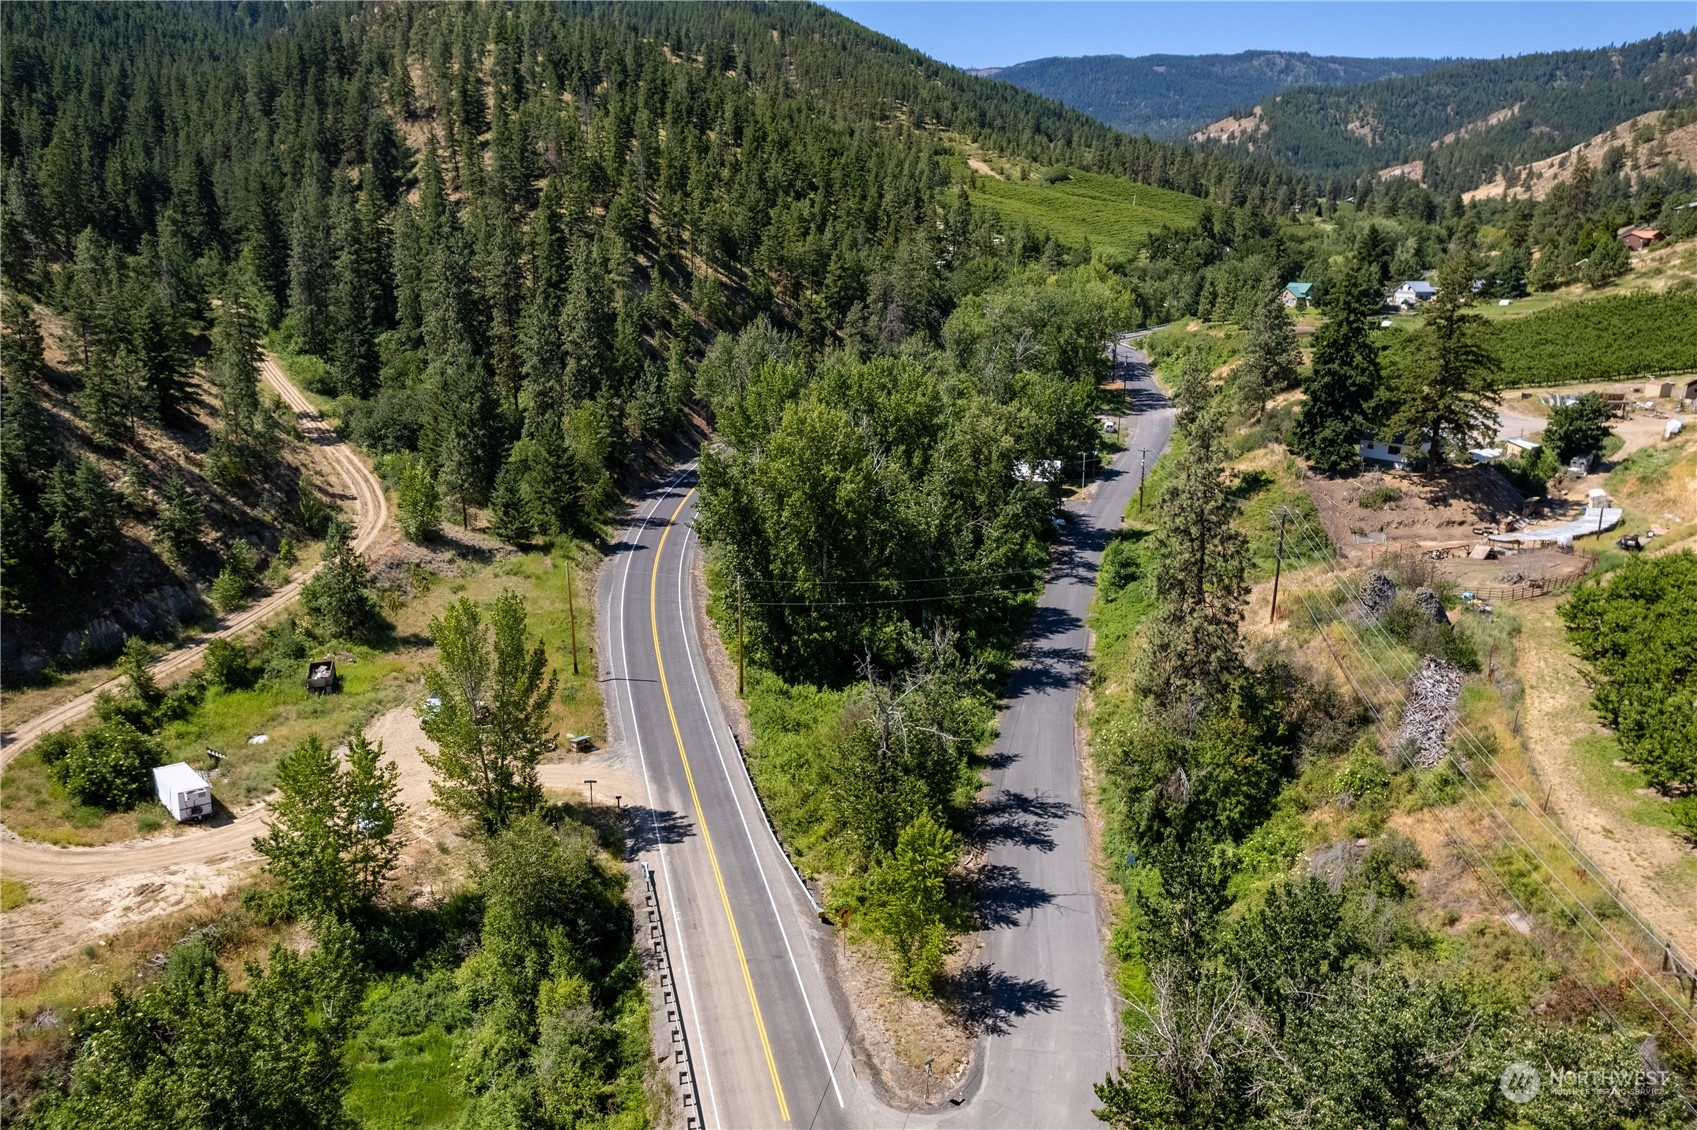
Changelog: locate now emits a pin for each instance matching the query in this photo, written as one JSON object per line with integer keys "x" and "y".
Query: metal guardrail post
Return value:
{"x": 679, "y": 1060}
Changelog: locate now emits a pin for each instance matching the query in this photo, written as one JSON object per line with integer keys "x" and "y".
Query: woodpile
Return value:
{"x": 1429, "y": 713}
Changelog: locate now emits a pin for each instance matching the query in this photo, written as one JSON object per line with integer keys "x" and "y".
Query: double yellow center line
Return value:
{"x": 701, "y": 819}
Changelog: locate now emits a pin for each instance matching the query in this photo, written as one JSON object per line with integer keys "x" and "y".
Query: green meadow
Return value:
{"x": 1110, "y": 212}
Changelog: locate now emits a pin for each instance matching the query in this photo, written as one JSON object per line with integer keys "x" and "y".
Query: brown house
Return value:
{"x": 1639, "y": 238}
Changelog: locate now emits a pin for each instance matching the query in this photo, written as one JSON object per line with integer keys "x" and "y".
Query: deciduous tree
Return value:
{"x": 491, "y": 727}
{"x": 330, "y": 843}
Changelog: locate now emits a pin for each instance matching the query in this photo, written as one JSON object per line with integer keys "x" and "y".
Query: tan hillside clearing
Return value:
{"x": 1677, "y": 146}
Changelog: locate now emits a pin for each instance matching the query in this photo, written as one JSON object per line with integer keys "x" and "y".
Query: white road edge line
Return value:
{"x": 695, "y": 673}
{"x": 648, "y": 787}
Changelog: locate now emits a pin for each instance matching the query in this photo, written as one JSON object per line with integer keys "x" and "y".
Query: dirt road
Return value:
{"x": 371, "y": 513}
{"x": 1650, "y": 865}
{"x": 81, "y": 895}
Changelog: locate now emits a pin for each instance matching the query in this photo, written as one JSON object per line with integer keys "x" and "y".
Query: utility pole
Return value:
{"x": 571, "y": 607}
{"x": 740, "y": 647}
{"x": 1278, "y": 564}
{"x": 1142, "y": 461}
{"x": 1083, "y": 473}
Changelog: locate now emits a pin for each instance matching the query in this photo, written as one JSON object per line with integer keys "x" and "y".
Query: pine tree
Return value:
{"x": 353, "y": 349}
{"x": 1270, "y": 356}
{"x": 116, "y": 396}
{"x": 1447, "y": 390}
{"x": 339, "y": 597}
{"x": 310, "y": 276}
{"x": 584, "y": 333}
{"x": 1344, "y": 378}
{"x": 182, "y": 519}
{"x": 1200, "y": 557}
{"x": 84, "y": 518}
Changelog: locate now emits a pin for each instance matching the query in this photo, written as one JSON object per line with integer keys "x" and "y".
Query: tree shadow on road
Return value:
{"x": 987, "y": 1001}
{"x": 647, "y": 828}
{"x": 1019, "y": 818}
{"x": 1002, "y": 896}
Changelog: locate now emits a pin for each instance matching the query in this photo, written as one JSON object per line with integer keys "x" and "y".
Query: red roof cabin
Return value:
{"x": 1640, "y": 238}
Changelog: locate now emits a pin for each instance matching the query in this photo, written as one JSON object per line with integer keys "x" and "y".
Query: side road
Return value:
{"x": 371, "y": 513}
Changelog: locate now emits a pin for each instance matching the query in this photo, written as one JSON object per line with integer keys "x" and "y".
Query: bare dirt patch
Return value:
{"x": 978, "y": 166}
{"x": 1432, "y": 510}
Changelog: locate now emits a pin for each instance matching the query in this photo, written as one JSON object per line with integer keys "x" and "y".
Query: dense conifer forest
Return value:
{"x": 1168, "y": 96}
{"x": 1547, "y": 103}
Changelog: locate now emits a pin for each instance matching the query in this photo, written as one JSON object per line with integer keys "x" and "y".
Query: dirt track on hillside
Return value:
{"x": 370, "y": 513}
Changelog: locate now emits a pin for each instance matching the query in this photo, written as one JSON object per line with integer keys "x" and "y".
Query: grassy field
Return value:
{"x": 1111, "y": 213}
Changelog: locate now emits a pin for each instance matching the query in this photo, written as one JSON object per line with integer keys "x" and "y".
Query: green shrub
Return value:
{"x": 229, "y": 591}
{"x": 418, "y": 501}
{"x": 226, "y": 665}
{"x": 108, "y": 767}
{"x": 1379, "y": 497}
{"x": 281, "y": 651}
{"x": 55, "y": 747}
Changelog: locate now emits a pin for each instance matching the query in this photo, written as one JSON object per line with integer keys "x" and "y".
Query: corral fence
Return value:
{"x": 1423, "y": 563}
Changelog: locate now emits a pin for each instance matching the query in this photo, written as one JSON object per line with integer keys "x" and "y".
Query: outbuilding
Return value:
{"x": 184, "y": 792}
{"x": 1639, "y": 238}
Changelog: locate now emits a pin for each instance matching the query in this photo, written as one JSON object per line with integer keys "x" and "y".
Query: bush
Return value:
{"x": 234, "y": 582}
{"x": 226, "y": 665}
{"x": 1379, "y": 497}
{"x": 418, "y": 502}
{"x": 108, "y": 766}
{"x": 1636, "y": 631}
{"x": 281, "y": 652}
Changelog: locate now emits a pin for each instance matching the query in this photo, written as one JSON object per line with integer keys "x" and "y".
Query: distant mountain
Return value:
{"x": 1460, "y": 125}
{"x": 1168, "y": 96}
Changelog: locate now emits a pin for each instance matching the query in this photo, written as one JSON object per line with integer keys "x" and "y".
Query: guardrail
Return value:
{"x": 681, "y": 1060}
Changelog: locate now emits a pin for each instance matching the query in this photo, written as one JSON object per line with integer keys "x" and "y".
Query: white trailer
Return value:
{"x": 183, "y": 792}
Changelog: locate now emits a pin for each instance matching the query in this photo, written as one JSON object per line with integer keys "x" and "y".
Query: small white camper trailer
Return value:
{"x": 183, "y": 792}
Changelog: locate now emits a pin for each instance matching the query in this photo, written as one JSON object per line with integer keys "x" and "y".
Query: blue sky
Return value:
{"x": 974, "y": 33}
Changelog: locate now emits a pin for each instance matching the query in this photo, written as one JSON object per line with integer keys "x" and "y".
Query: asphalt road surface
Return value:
{"x": 766, "y": 1041}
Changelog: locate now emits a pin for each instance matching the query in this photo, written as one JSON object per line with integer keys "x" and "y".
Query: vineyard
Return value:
{"x": 1112, "y": 213}
{"x": 1607, "y": 338}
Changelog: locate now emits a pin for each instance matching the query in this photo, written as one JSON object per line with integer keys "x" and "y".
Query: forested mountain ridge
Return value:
{"x": 1465, "y": 121}
{"x": 1168, "y": 96}
{"x": 500, "y": 226}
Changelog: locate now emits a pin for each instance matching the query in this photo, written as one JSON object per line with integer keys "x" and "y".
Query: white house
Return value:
{"x": 1413, "y": 292}
{"x": 1391, "y": 456}
{"x": 183, "y": 792}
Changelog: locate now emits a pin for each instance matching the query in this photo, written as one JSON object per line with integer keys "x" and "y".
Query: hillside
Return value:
{"x": 1638, "y": 147}
{"x": 1466, "y": 121}
{"x": 1110, "y": 213}
{"x": 1168, "y": 96}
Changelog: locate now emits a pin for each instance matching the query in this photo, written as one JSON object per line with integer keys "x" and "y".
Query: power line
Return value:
{"x": 1502, "y": 820}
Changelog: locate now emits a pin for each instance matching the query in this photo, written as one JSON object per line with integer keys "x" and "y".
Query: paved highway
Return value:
{"x": 767, "y": 1041}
